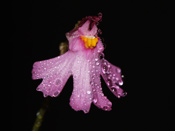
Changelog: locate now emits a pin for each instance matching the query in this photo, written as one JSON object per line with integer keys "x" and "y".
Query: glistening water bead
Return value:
{"x": 58, "y": 81}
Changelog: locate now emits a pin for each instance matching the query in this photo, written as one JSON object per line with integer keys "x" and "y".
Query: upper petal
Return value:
{"x": 93, "y": 31}
{"x": 84, "y": 29}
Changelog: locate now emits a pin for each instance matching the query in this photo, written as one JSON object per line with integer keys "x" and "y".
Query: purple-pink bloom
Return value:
{"x": 85, "y": 62}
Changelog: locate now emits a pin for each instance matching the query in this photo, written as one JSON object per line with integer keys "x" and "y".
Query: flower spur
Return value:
{"x": 83, "y": 61}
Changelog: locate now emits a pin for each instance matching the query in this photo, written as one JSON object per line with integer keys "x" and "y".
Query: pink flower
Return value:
{"x": 83, "y": 61}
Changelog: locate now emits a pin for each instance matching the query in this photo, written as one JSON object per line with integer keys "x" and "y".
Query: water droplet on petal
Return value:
{"x": 58, "y": 82}
{"x": 85, "y": 111}
{"x": 101, "y": 56}
{"x": 88, "y": 92}
{"x": 104, "y": 69}
{"x": 109, "y": 82}
{"x": 38, "y": 89}
{"x": 120, "y": 83}
{"x": 56, "y": 93}
{"x": 113, "y": 88}
{"x": 94, "y": 90}
{"x": 109, "y": 66}
{"x": 124, "y": 93}
{"x": 91, "y": 83}
{"x": 109, "y": 103}
{"x": 106, "y": 108}
{"x": 97, "y": 63}
{"x": 45, "y": 95}
{"x": 118, "y": 70}
{"x": 70, "y": 72}
{"x": 109, "y": 76}
{"x": 95, "y": 101}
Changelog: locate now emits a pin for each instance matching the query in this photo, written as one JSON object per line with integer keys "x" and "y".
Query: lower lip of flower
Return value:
{"x": 90, "y": 42}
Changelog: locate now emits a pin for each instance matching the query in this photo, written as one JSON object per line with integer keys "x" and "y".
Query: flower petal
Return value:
{"x": 82, "y": 93}
{"x": 41, "y": 68}
{"x": 56, "y": 75}
{"x": 84, "y": 29}
{"x": 93, "y": 31}
{"x": 99, "y": 99}
{"x": 112, "y": 76}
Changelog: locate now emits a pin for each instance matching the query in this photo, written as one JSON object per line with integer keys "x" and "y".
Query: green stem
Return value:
{"x": 40, "y": 114}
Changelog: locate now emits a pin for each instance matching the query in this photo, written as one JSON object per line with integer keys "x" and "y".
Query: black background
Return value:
{"x": 133, "y": 34}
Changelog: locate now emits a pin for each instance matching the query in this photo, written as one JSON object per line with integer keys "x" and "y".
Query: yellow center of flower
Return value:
{"x": 90, "y": 42}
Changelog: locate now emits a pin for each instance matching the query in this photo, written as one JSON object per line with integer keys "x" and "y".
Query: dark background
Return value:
{"x": 133, "y": 33}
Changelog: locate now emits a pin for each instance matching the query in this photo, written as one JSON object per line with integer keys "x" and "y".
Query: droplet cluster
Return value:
{"x": 112, "y": 76}
{"x": 54, "y": 74}
{"x": 99, "y": 99}
{"x": 86, "y": 73}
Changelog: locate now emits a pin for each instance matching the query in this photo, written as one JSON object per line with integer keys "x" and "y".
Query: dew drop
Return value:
{"x": 117, "y": 78}
{"x": 124, "y": 93}
{"x": 97, "y": 63}
{"x": 85, "y": 111}
{"x": 109, "y": 77}
{"x": 113, "y": 89}
{"x": 95, "y": 101}
{"x": 45, "y": 95}
{"x": 114, "y": 78}
{"x": 58, "y": 82}
{"x": 101, "y": 56}
{"x": 118, "y": 96}
{"x": 109, "y": 65}
{"x": 118, "y": 70}
{"x": 70, "y": 72}
{"x": 105, "y": 108}
{"x": 109, "y": 83}
{"x": 38, "y": 89}
{"x": 56, "y": 93}
{"x": 88, "y": 92}
{"x": 104, "y": 69}
{"x": 109, "y": 104}
{"x": 120, "y": 83}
